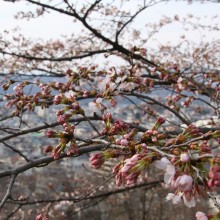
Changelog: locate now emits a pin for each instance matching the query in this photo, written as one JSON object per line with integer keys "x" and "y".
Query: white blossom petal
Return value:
{"x": 170, "y": 196}
{"x": 166, "y": 161}
{"x": 160, "y": 165}
{"x": 168, "y": 178}
{"x": 177, "y": 199}
{"x": 171, "y": 169}
{"x": 189, "y": 203}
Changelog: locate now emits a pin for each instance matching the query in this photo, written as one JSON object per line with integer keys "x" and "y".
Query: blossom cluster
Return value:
{"x": 180, "y": 167}
{"x": 187, "y": 159}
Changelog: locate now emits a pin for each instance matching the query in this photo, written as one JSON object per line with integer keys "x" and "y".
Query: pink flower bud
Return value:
{"x": 211, "y": 175}
{"x": 116, "y": 168}
{"x": 85, "y": 94}
{"x": 58, "y": 85}
{"x": 184, "y": 157}
{"x": 143, "y": 145}
{"x": 126, "y": 136}
{"x": 56, "y": 152}
{"x": 97, "y": 160}
{"x": 57, "y": 99}
{"x": 119, "y": 179}
{"x": 51, "y": 134}
{"x": 59, "y": 113}
{"x": 215, "y": 168}
{"x": 210, "y": 183}
{"x": 217, "y": 182}
{"x": 38, "y": 217}
{"x": 113, "y": 102}
{"x": 214, "y": 175}
{"x": 124, "y": 142}
{"x": 75, "y": 105}
{"x": 65, "y": 125}
{"x": 158, "y": 123}
{"x": 154, "y": 139}
{"x": 149, "y": 132}
{"x": 118, "y": 141}
{"x": 109, "y": 115}
{"x": 48, "y": 149}
{"x": 217, "y": 176}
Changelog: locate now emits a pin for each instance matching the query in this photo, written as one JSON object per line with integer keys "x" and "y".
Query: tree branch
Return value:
{"x": 52, "y": 59}
{"x": 91, "y": 8}
{"x": 160, "y": 104}
{"x": 115, "y": 45}
{"x": 8, "y": 192}
{"x": 48, "y": 159}
{"x": 105, "y": 194}
{"x": 17, "y": 151}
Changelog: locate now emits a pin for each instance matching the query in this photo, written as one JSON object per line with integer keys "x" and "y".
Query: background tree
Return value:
{"x": 148, "y": 112}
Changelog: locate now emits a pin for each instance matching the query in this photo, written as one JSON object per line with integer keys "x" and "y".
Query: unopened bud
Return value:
{"x": 185, "y": 157}
{"x": 124, "y": 142}
{"x": 48, "y": 149}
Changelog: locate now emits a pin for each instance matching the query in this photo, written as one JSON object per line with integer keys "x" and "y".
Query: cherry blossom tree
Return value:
{"x": 103, "y": 91}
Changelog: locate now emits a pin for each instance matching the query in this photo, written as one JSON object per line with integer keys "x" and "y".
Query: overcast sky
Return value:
{"x": 55, "y": 24}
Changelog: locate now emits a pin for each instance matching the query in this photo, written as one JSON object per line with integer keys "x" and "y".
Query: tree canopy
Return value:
{"x": 143, "y": 114}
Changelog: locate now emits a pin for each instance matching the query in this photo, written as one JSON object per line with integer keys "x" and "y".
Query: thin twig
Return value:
{"x": 8, "y": 192}
{"x": 160, "y": 104}
{"x": 17, "y": 151}
{"x": 213, "y": 198}
{"x": 93, "y": 190}
{"x": 13, "y": 212}
{"x": 104, "y": 194}
{"x": 159, "y": 151}
{"x": 203, "y": 137}
{"x": 93, "y": 126}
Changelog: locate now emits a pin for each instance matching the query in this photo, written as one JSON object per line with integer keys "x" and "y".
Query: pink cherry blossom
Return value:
{"x": 183, "y": 183}
{"x": 188, "y": 198}
{"x": 176, "y": 198}
{"x": 124, "y": 142}
{"x": 201, "y": 216}
{"x": 165, "y": 165}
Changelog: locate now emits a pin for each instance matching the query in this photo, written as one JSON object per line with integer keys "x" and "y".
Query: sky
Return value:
{"x": 54, "y": 25}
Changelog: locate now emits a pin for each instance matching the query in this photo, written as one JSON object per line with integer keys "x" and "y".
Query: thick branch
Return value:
{"x": 38, "y": 128}
{"x": 52, "y": 59}
{"x": 48, "y": 159}
{"x": 54, "y": 124}
{"x": 99, "y": 35}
